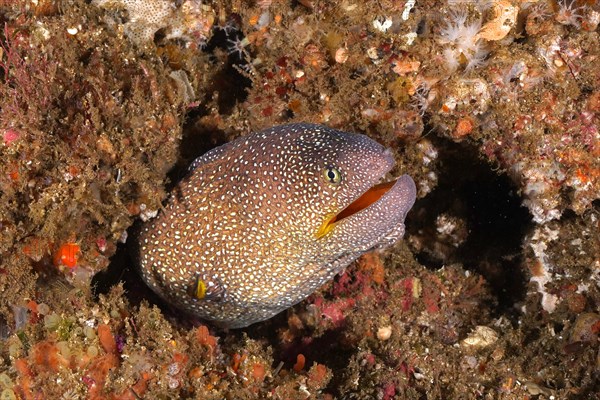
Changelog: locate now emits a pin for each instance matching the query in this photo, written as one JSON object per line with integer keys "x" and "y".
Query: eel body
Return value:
{"x": 261, "y": 222}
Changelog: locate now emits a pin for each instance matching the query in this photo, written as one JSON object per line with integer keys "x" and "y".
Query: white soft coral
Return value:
{"x": 569, "y": 13}
{"x": 477, "y": 57}
{"x": 463, "y": 47}
{"x": 454, "y": 28}
{"x": 468, "y": 40}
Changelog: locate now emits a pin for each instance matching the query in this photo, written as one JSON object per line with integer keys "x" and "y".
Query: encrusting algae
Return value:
{"x": 264, "y": 221}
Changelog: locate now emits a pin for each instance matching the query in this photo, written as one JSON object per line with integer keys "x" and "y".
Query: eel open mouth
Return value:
{"x": 365, "y": 200}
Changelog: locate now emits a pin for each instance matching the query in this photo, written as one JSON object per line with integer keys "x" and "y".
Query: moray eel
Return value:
{"x": 263, "y": 221}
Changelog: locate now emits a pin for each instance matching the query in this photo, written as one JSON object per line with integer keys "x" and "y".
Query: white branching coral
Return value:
{"x": 543, "y": 270}
{"x": 463, "y": 46}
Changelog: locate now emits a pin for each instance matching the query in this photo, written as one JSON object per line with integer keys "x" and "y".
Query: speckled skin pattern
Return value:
{"x": 245, "y": 222}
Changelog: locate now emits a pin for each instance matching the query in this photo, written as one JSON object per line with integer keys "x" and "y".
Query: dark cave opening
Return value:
{"x": 487, "y": 206}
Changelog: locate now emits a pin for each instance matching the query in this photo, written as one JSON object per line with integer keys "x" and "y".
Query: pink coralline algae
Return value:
{"x": 9, "y": 136}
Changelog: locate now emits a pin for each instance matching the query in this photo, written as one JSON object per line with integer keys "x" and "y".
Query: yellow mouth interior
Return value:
{"x": 365, "y": 200}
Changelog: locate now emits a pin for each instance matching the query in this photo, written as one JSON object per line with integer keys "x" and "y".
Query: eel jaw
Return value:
{"x": 364, "y": 201}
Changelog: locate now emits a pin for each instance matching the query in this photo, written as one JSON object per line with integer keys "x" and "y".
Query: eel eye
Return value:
{"x": 205, "y": 288}
{"x": 332, "y": 175}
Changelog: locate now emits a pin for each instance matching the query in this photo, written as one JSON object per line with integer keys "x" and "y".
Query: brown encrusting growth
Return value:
{"x": 486, "y": 104}
{"x": 89, "y": 130}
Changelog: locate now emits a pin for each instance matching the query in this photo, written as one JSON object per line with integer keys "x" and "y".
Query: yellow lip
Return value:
{"x": 327, "y": 226}
{"x": 365, "y": 200}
